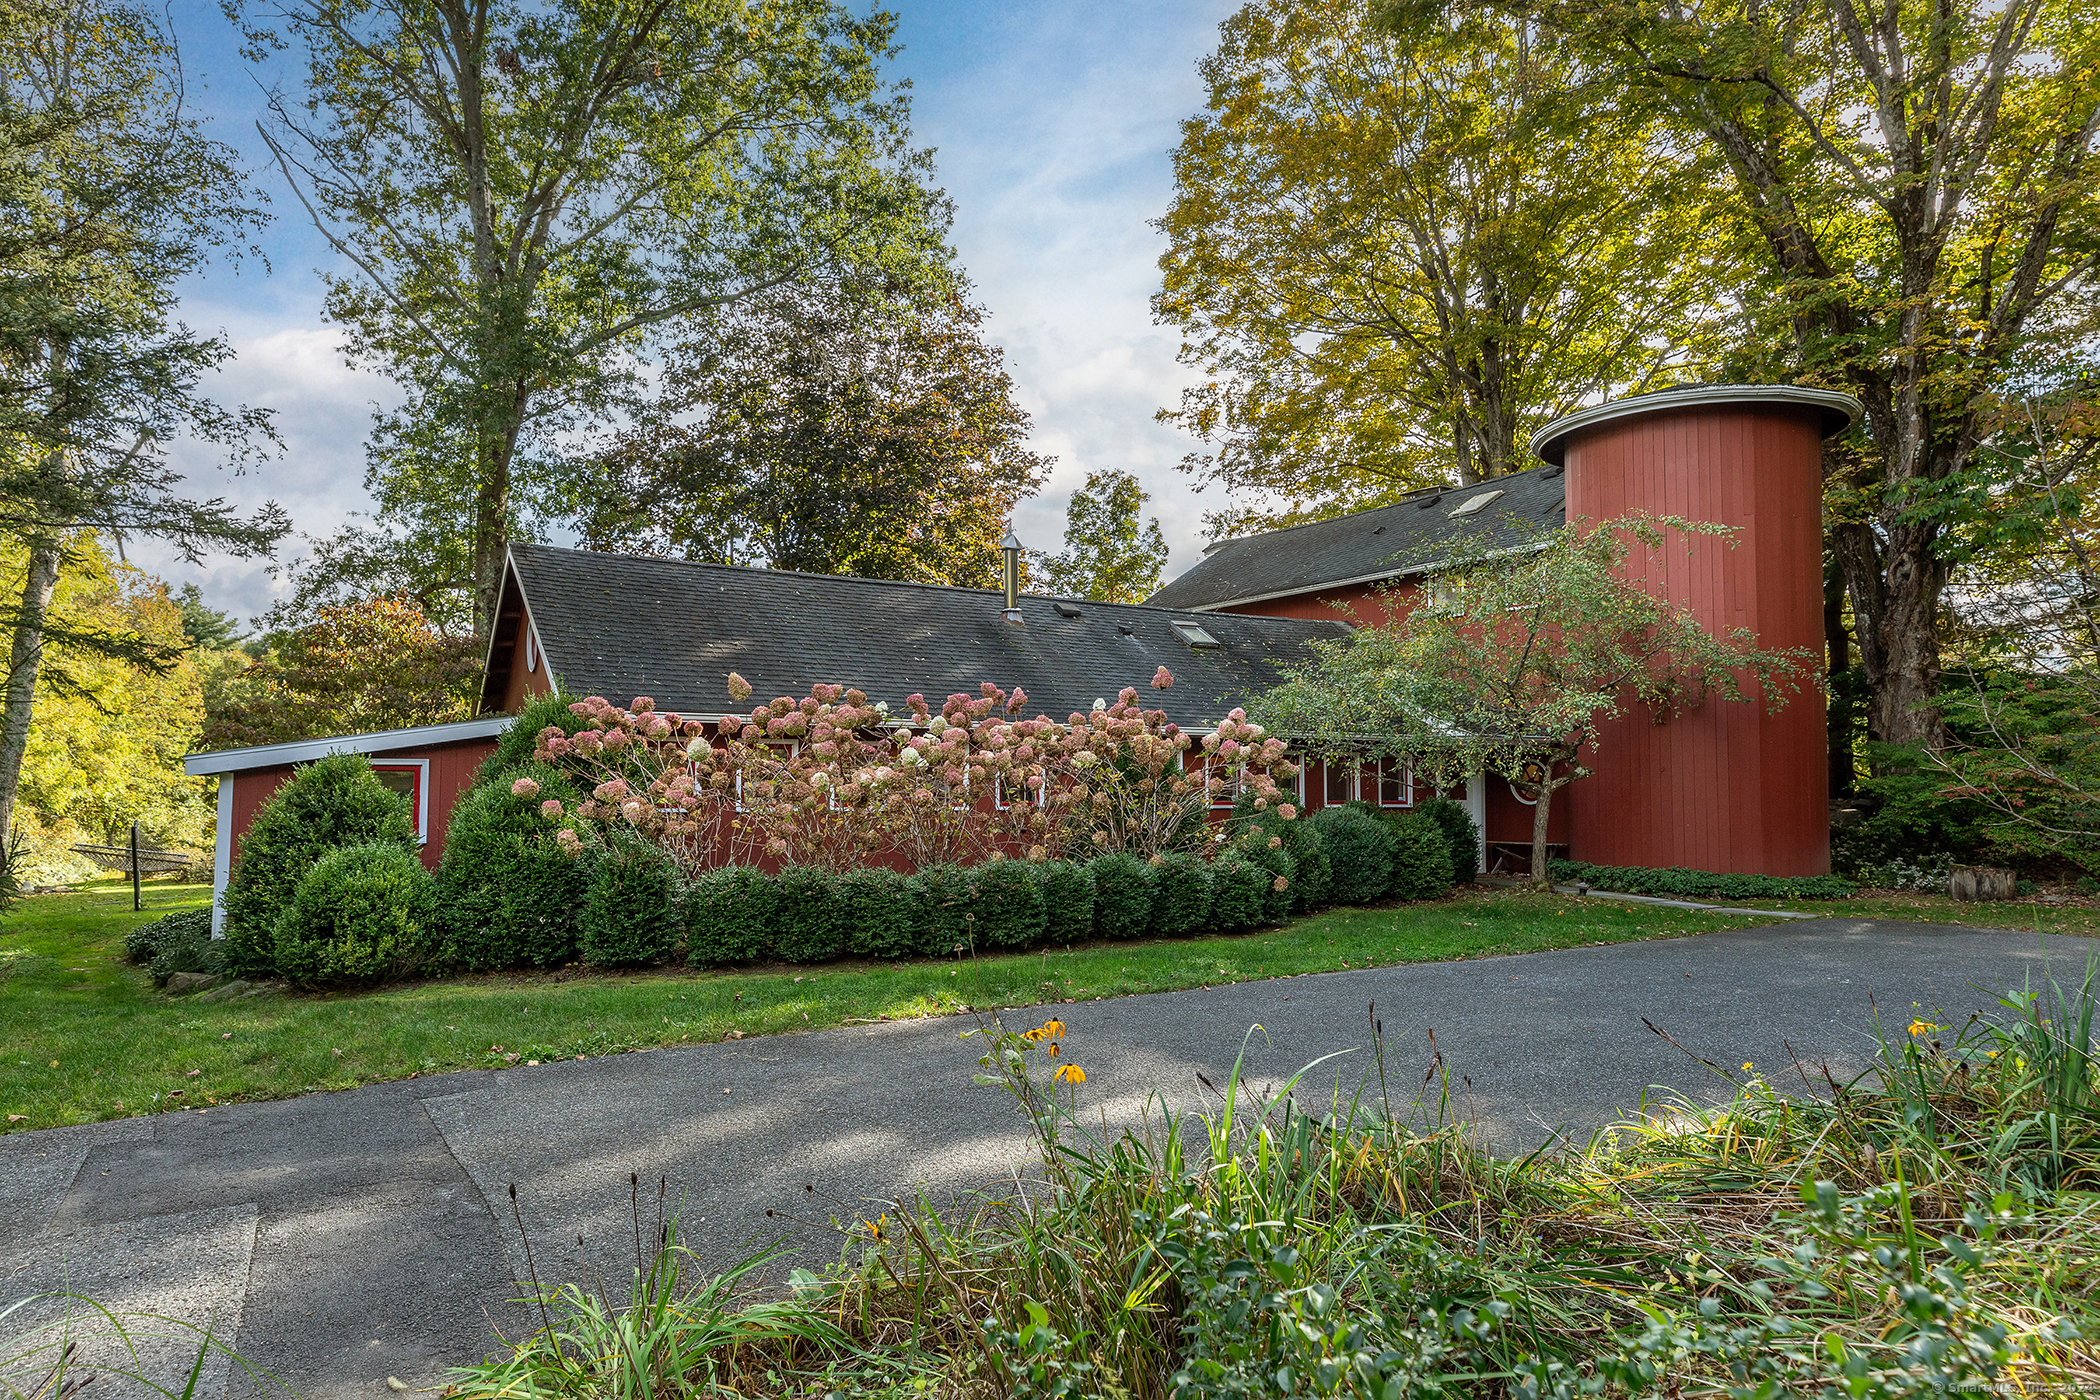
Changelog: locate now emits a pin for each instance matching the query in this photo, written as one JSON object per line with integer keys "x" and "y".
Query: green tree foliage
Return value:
{"x": 1396, "y": 249}
{"x": 848, "y": 428}
{"x": 360, "y": 667}
{"x": 1919, "y": 180}
{"x": 363, "y": 915}
{"x": 1509, "y": 660}
{"x": 107, "y": 734}
{"x": 1111, "y": 554}
{"x": 529, "y": 200}
{"x": 335, "y": 802}
{"x": 110, "y": 196}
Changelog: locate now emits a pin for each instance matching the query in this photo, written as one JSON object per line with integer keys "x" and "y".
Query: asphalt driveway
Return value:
{"x": 344, "y": 1238}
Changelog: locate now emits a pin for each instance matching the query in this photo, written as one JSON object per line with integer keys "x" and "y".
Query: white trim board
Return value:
{"x": 202, "y": 765}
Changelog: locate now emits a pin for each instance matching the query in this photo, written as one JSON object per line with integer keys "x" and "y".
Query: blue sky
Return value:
{"x": 1052, "y": 124}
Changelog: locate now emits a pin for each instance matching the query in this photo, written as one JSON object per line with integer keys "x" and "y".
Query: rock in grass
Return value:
{"x": 182, "y": 984}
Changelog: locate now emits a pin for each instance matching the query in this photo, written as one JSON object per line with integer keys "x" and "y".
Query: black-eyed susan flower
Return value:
{"x": 1069, "y": 1074}
{"x": 1922, "y": 1028}
{"x": 879, "y": 1228}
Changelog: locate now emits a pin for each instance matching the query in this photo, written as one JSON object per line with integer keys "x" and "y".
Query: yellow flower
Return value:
{"x": 1922, "y": 1028}
{"x": 1070, "y": 1074}
{"x": 1031, "y": 1036}
{"x": 1747, "y": 1066}
{"x": 879, "y": 1228}
{"x": 1053, "y": 1029}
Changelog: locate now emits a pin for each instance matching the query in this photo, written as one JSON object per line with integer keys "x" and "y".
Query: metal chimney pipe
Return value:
{"x": 1010, "y": 575}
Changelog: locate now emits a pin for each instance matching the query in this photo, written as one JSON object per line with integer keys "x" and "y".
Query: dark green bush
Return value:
{"x": 143, "y": 943}
{"x": 510, "y": 894}
{"x": 515, "y": 744}
{"x": 1421, "y": 857}
{"x": 880, "y": 913}
{"x": 808, "y": 915}
{"x": 333, "y": 803}
{"x": 630, "y": 916}
{"x": 186, "y": 947}
{"x": 1007, "y": 900}
{"x": 1276, "y": 863}
{"x": 1122, "y": 895}
{"x": 1068, "y": 902}
{"x": 1181, "y": 892}
{"x": 363, "y": 915}
{"x": 728, "y": 913}
{"x": 1310, "y": 872}
{"x": 941, "y": 896}
{"x": 1461, "y": 833}
{"x": 1677, "y": 882}
{"x": 1359, "y": 851}
{"x": 1237, "y": 889}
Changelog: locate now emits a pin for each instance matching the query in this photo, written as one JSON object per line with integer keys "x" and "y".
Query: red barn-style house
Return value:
{"x": 1723, "y": 787}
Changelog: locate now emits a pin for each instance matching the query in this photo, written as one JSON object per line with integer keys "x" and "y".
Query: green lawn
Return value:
{"x": 84, "y": 1036}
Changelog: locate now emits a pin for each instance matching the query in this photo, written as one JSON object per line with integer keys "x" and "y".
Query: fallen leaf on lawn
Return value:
{"x": 23, "y": 1117}
{"x": 395, "y": 1383}
{"x": 193, "y": 1074}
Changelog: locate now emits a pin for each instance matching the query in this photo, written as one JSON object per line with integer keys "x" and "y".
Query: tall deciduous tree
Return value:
{"x": 1921, "y": 176}
{"x": 376, "y": 664}
{"x": 1399, "y": 246}
{"x": 110, "y": 194}
{"x": 1112, "y": 554}
{"x": 841, "y": 429}
{"x": 1509, "y": 660}
{"x": 530, "y": 198}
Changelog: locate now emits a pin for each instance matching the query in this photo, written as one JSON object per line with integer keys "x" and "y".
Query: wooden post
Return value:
{"x": 135, "y": 906}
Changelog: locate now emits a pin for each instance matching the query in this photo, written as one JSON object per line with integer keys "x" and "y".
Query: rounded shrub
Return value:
{"x": 1421, "y": 858}
{"x": 630, "y": 915}
{"x": 1237, "y": 889}
{"x": 515, "y": 744}
{"x": 1068, "y": 901}
{"x": 1359, "y": 852}
{"x": 808, "y": 915}
{"x": 1461, "y": 834}
{"x": 1007, "y": 900}
{"x": 1122, "y": 895}
{"x": 327, "y": 805}
{"x": 1309, "y": 874}
{"x": 941, "y": 897}
{"x": 186, "y": 946}
{"x": 1181, "y": 891}
{"x": 728, "y": 916}
{"x": 363, "y": 915}
{"x": 880, "y": 913}
{"x": 1280, "y": 871}
{"x": 143, "y": 943}
{"x": 510, "y": 893}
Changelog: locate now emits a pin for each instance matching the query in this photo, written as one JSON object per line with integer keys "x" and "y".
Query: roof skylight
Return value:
{"x": 1193, "y": 633}
{"x": 1473, "y": 505}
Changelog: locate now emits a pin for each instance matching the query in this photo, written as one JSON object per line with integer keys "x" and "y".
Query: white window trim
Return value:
{"x": 1356, "y": 775}
{"x": 422, "y": 791}
{"x": 1407, "y": 784}
{"x": 222, "y": 856}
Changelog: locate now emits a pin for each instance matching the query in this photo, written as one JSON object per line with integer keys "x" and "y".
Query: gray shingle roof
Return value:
{"x": 621, "y": 626}
{"x": 1360, "y": 547}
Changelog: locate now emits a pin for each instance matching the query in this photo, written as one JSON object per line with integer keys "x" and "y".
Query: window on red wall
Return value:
{"x": 1341, "y": 781}
{"x": 412, "y": 780}
{"x": 1395, "y": 783}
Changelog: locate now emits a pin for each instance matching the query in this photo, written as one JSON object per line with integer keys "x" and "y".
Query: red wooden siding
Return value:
{"x": 1727, "y": 786}
{"x": 451, "y": 768}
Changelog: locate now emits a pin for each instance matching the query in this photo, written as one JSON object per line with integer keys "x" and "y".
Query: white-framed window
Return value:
{"x": 411, "y": 778}
{"x": 1396, "y": 783}
{"x": 1227, "y": 795}
{"x": 1338, "y": 780}
{"x": 1002, "y": 798}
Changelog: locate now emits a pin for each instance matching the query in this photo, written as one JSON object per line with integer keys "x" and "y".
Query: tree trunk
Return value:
{"x": 1541, "y": 868}
{"x": 1837, "y": 644}
{"x": 1906, "y": 702}
{"x": 23, "y": 663}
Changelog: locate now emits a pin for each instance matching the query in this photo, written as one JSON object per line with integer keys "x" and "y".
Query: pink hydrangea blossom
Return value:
{"x": 525, "y": 787}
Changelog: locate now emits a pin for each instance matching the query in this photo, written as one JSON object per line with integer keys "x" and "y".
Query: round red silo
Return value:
{"x": 1726, "y": 786}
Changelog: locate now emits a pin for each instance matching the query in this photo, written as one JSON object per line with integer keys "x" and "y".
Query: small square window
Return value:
{"x": 1473, "y": 505}
{"x": 1341, "y": 781}
{"x": 409, "y": 780}
{"x": 1193, "y": 633}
